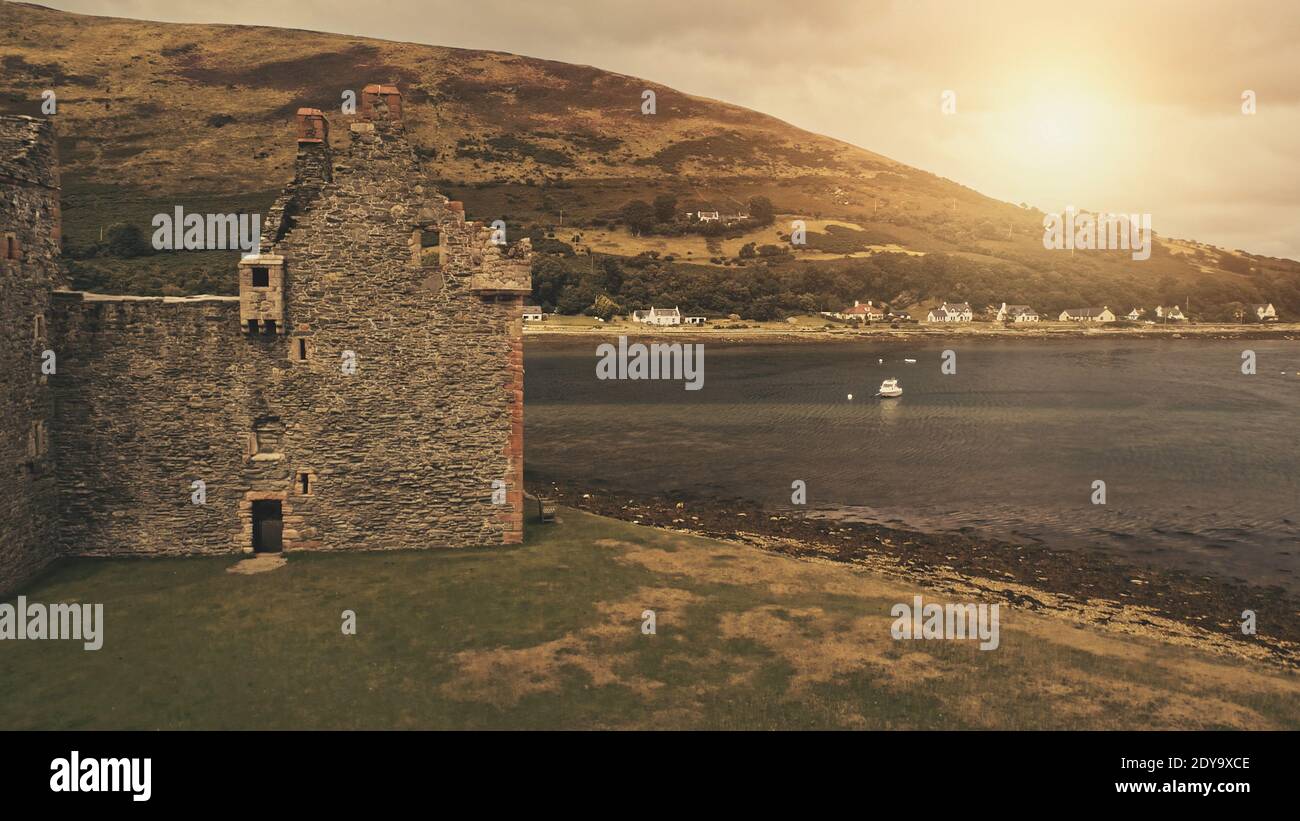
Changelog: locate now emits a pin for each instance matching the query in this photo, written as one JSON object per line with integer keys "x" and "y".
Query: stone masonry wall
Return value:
{"x": 405, "y": 449}
{"x": 29, "y": 249}
{"x": 154, "y": 393}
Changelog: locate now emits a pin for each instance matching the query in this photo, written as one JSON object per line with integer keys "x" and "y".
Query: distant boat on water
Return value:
{"x": 910, "y": 361}
{"x": 890, "y": 388}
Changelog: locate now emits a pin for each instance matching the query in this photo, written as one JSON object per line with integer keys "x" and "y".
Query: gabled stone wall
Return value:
{"x": 410, "y": 444}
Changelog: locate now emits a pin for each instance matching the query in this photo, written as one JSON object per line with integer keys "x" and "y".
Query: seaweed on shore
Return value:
{"x": 1202, "y": 602}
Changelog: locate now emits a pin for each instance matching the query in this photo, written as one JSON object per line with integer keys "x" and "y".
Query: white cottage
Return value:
{"x": 1016, "y": 313}
{"x": 951, "y": 312}
{"x": 1262, "y": 313}
{"x": 658, "y": 316}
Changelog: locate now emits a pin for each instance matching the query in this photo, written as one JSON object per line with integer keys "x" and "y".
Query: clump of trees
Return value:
{"x": 123, "y": 240}
{"x": 775, "y": 284}
{"x": 661, "y": 217}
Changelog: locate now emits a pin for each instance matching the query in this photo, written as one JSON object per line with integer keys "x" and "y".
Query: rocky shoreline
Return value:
{"x": 1183, "y": 608}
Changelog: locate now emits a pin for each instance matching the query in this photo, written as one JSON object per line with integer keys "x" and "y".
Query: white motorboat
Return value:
{"x": 890, "y": 388}
{"x": 910, "y": 361}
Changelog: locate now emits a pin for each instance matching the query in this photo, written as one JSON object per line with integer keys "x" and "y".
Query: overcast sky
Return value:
{"x": 1115, "y": 106}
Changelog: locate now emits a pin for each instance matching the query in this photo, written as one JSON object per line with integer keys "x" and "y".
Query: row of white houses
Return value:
{"x": 951, "y": 312}
{"x": 654, "y": 316}
{"x": 961, "y": 312}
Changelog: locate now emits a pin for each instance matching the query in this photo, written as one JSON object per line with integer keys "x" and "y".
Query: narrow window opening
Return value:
{"x": 268, "y": 326}
{"x": 261, "y": 277}
{"x": 39, "y": 327}
{"x": 430, "y": 249}
{"x": 302, "y": 350}
{"x": 252, "y": 326}
{"x": 11, "y": 248}
{"x": 38, "y": 441}
{"x": 304, "y": 484}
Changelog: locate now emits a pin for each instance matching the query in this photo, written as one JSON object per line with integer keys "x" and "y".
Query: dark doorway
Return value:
{"x": 267, "y": 527}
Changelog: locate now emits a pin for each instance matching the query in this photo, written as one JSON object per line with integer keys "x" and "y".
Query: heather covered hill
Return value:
{"x": 154, "y": 115}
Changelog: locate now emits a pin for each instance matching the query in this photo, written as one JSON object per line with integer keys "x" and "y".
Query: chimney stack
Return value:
{"x": 314, "y": 165}
{"x": 381, "y": 102}
{"x": 312, "y": 126}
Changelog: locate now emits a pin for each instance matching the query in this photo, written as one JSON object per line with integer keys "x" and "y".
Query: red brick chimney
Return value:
{"x": 312, "y": 126}
{"x": 314, "y": 165}
{"x": 381, "y": 102}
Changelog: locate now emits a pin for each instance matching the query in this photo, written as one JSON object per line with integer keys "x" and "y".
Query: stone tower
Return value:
{"x": 401, "y": 396}
{"x": 29, "y": 250}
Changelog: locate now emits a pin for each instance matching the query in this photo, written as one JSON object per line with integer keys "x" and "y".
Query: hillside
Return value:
{"x": 153, "y": 115}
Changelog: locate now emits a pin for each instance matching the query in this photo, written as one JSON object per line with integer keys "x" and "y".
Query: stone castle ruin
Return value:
{"x": 363, "y": 391}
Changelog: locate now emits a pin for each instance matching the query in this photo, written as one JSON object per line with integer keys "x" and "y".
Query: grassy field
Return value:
{"x": 548, "y": 635}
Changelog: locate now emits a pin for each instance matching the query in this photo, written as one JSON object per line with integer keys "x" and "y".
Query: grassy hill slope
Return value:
{"x": 152, "y": 115}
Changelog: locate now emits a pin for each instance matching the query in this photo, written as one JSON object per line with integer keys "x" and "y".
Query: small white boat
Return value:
{"x": 890, "y": 388}
{"x": 910, "y": 361}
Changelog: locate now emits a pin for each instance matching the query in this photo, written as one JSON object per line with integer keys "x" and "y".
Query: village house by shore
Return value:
{"x": 951, "y": 312}
{"x": 658, "y": 316}
{"x": 960, "y": 312}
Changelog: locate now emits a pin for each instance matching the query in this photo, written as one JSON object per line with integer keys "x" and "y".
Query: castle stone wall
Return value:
{"x": 152, "y": 395}
{"x": 29, "y": 249}
{"x": 406, "y": 449}
{"x": 369, "y": 378}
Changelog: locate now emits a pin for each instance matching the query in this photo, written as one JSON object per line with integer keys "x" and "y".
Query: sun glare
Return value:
{"x": 1051, "y": 127}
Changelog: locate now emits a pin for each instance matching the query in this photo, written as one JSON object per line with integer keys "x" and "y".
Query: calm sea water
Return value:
{"x": 1200, "y": 461}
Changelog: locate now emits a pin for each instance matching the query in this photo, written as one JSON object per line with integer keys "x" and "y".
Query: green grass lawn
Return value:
{"x": 548, "y": 635}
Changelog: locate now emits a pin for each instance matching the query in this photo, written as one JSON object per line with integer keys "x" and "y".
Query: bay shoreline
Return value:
{"x": 772, "y": 332}
{"x": 1078, "y": 584}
